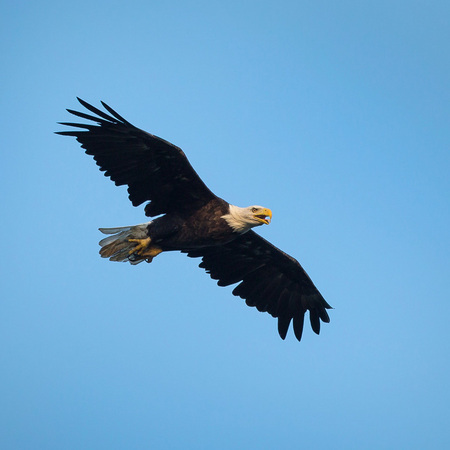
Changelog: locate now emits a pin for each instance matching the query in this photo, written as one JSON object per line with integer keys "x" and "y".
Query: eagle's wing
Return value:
{"x": 269, "y": 279}
{"x": 153, "y": 168}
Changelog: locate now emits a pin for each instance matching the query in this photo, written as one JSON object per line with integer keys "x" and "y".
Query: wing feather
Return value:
{"x": 153, "y": 169}
{"x": 269, "y": 280}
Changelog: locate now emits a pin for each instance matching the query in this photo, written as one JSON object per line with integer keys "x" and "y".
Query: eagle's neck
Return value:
{"x": 236, "y": 219}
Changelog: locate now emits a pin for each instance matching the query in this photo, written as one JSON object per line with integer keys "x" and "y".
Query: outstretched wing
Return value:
{"x": 269, "y": 279}
{"x": 154, "y": 170}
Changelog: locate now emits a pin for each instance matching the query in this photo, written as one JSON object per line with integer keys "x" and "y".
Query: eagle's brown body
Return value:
{"x": 191, "y": 231}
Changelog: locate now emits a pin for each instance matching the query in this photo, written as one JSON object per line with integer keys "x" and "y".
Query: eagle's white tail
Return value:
{"x": 118, "y": 247}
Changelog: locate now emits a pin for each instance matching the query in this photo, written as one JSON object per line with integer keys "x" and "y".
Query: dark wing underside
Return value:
{"x": 154, "y": 169}
{"x": 269, "y": 279}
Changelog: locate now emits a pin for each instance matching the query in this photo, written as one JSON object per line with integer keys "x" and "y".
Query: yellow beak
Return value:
{"x": 264, "y": 216}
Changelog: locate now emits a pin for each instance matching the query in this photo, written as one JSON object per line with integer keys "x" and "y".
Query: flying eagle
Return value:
{"x": 193, "y": 220}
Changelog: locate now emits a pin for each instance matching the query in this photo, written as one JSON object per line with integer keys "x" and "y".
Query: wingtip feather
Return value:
{"x": 283, "y": 326}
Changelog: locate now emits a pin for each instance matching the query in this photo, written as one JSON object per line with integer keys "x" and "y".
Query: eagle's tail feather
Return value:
{"x": 121, "y": 244}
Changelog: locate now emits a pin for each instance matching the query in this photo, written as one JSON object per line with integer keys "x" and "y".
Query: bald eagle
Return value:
{"x": 191, "y": 219}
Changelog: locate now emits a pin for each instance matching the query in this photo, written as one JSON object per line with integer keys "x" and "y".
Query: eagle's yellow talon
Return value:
{"x": 141, "y": 245}
{"x": 143, "y": 248}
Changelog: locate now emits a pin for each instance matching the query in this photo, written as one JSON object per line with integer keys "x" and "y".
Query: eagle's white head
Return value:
{"x": 242, "y": 219}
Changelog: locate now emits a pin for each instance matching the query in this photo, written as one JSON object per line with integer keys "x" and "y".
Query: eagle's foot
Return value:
{"x": 144, "y": 250}
{"x": 141, "y": 245}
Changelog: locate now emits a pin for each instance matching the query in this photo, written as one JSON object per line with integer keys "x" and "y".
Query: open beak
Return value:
{"x": 265, "y": 216}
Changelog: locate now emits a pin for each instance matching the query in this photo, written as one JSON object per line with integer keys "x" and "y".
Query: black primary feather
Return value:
{"x": 269, "y": 280}
{"x": 154, "y": 170}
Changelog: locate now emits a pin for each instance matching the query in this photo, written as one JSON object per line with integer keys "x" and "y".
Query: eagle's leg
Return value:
{"x": 141, "y": 245}
{"x": 144, "y": 249}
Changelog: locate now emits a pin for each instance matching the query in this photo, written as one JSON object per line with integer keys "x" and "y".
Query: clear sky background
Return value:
{"x": 333, "y": 114}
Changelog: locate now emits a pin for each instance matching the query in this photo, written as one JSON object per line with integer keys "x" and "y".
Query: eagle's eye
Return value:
{"x": 254, "y": 209}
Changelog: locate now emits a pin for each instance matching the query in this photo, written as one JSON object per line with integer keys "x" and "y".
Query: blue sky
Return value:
{"x": 333, "y": 114}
